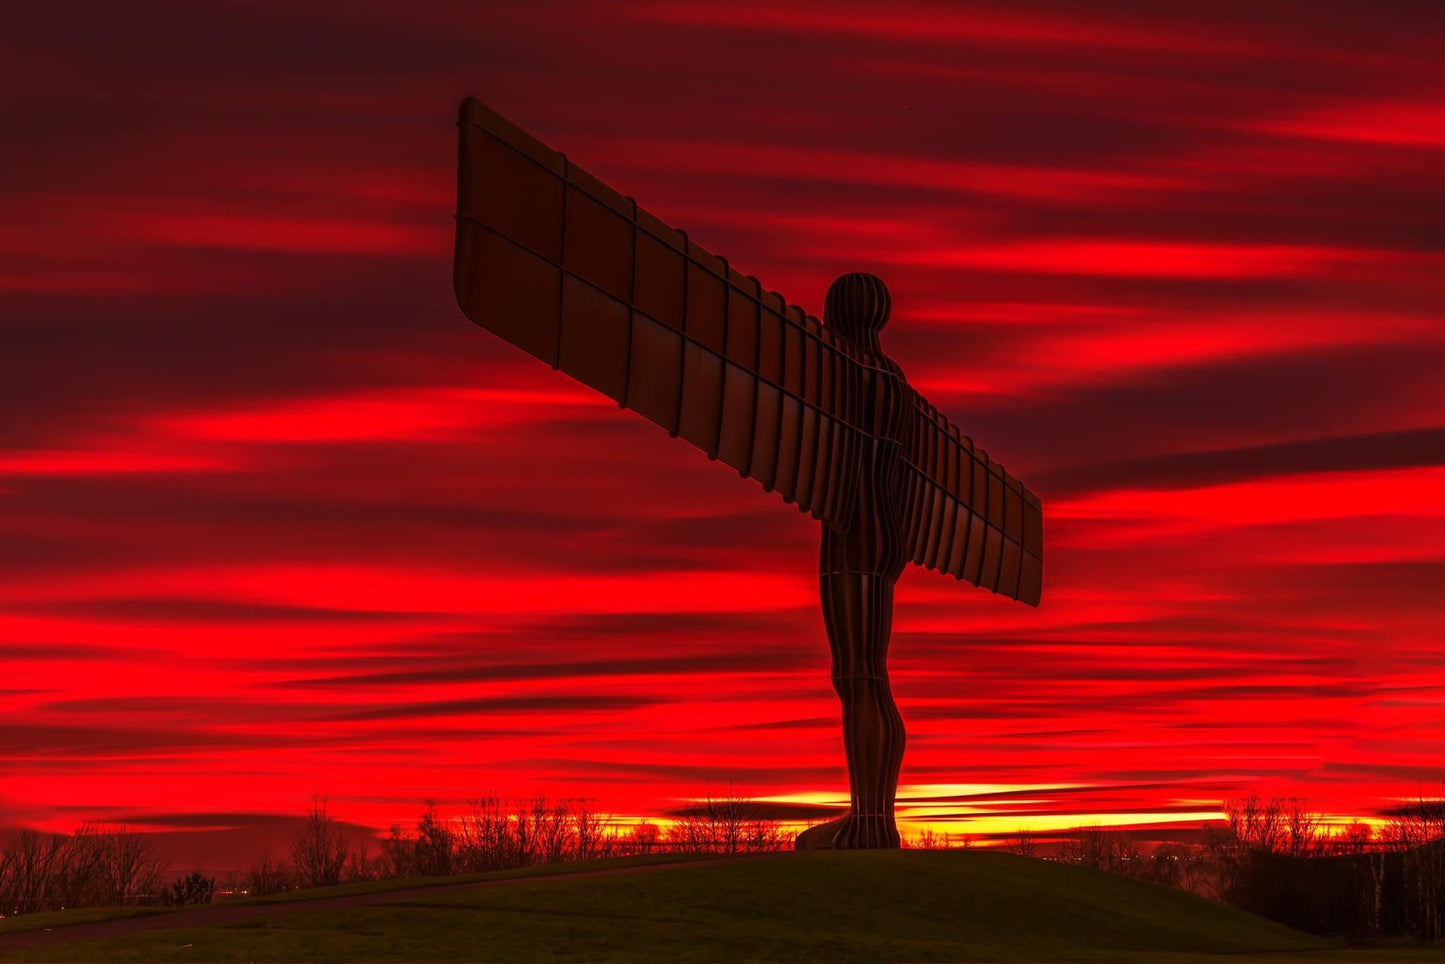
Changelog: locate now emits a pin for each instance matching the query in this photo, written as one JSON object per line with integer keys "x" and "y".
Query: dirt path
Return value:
{"x": 224, "y": 913}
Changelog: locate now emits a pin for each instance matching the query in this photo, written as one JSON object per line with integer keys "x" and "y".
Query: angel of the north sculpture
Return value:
{"x": 565, "y": 268}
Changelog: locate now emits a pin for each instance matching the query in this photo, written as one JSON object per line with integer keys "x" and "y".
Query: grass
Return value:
{"x": 77, "y": 915}
{"x": 880, "y": 906}
{"x": 536, "y": 870}
{"x": 51, "y": 919}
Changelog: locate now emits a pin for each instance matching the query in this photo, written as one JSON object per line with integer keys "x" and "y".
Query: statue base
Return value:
{"x": 851, "y": 833}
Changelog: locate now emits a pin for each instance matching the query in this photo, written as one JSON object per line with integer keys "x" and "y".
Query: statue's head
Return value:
{"x": 857, "y": 307}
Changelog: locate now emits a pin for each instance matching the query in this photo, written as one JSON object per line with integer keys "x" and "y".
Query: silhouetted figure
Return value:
{"x": 581, "y": 277}
{"x": 858, "y": 569}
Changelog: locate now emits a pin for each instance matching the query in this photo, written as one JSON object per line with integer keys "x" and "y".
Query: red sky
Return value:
{"x": 276, "y": 520}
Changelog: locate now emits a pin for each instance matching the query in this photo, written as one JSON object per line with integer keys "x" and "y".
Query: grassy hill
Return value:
{"x": 901, "y": 905}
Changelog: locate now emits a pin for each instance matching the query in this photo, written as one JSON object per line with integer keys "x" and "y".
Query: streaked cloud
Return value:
{"x": 278, "y": 521}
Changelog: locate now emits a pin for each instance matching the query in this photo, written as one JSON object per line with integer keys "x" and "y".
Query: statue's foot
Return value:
{"x": 819, "y": 837}
{"x": 867, "y": 833}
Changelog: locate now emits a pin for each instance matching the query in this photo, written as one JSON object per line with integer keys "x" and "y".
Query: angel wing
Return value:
{"x": 581, "y": 277}
{"x": 565, "y": 268}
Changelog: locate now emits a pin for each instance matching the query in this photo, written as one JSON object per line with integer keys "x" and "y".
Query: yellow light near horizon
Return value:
{"x": 1050, "y": 823}
{"x": 979, "y": 820}
{"x": 994, "y": 829}
{"x": 1339, "y": 822}
{"x": 916, "y": 790}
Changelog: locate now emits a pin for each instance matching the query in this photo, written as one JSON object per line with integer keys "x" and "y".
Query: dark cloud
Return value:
{"x": 640, "y": 668}
{"x": 808, "y": 723}
{"x": 695, "y": 781}
{"x": 663, "y": 624}
{"x": 763, "y": 810}
{"x": 1315, "y": 394}
{"x": 165, "y": 610}
{"x": 59, "y": 745}
{"x": 1347, "y": 453}
{"x": 197, "y": 705}
{"x": 216, "y": 819}
{"x": 61, "y": 652}
{"x": 1426, "y": 806}
{"x": 1402, "y": 584}
{"x": 580, "y": 703}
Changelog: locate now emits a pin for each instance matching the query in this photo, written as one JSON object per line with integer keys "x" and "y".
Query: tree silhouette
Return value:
{"x": 319, "y": 848}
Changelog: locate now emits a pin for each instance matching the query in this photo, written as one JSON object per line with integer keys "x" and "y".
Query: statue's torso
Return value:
{"x": 872, "y": 541}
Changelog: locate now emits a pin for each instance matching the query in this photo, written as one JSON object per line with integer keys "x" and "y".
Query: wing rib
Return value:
{"x": 968, "y": 518}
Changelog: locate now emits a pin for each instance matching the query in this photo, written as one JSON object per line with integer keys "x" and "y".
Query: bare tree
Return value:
{"x": 267, "y": 877}
{"x": 1258, "y": 824}
{"x": 643, "y": 837}
{"x": 1420, "y": 833}
{"x": 362, "y": 863}
{"x": 1302, "y": 829}
{"x": 32, "y": 865}
{"x": 1104, "y": 849}
{"x": 727, "y": 824}
{"x": 397, "y": 858}
{"x": 489, "y": 838}
{"x": 81, "y": 879}
{"x": 7, "y": 882}
{"x": 434, "y": 847}
{"x": 92, "y": 867}
{"x": 131, "y": 869}
{"x": 927, "y": 840}
{"x": 551, "y": 830}
{"x": 589, "y": 832}
{"x": 729, "y": 817}
{"x": 318, "y": 850}
{"x": 766, "y": 836}
{"x": 1352, "y": 839}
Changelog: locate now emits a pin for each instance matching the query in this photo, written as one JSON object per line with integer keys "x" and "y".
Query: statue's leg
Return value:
{"x": 858, "y": 612}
